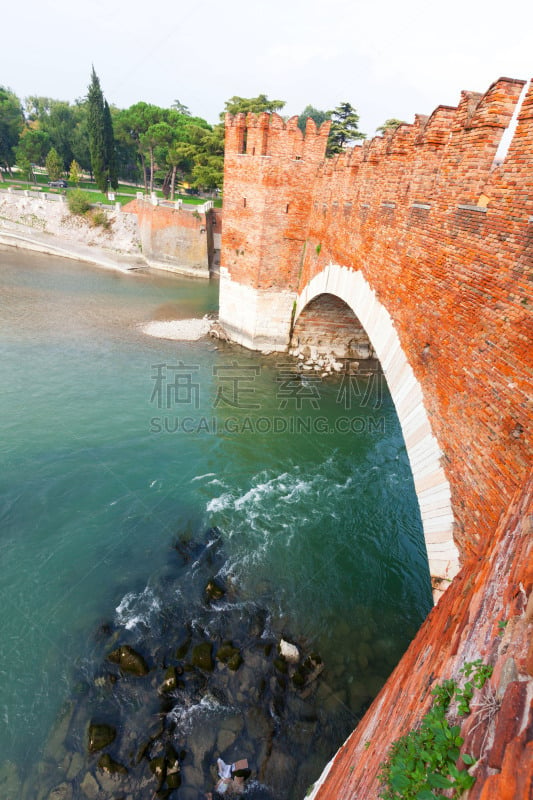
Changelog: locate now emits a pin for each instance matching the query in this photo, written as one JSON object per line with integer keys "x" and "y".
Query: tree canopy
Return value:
{"x": 11, "y": 126}
{"x": 390, "y": 125}
{"x": 101, "y": 139}
{"x": 255, "y": 105}
{"x": 313, "y": 113}
{"x": 344, "y": 128}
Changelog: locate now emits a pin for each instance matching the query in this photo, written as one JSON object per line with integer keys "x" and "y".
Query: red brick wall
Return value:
{"x": 445, "y": 239}
{"x": 453, "y": 275}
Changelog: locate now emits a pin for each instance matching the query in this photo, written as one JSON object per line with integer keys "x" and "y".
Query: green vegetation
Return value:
{"x": 344, "y": 129}
{"x": 163, "y": 149}
{"x": 54, "y": 165}
{"x": 424, "y": 761}
{"x": 78, "y": 202}
{"x": 101, "y": 139}
{"x": 11, "y": 127}
{"x": 390, "y": 125}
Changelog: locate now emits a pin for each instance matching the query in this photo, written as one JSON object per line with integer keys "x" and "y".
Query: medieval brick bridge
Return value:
{"x": 425, "y": 238}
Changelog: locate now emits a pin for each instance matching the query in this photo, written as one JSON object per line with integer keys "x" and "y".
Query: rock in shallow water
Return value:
{"x": 100, "y": 736}
{"x": 129, "y": 660}
{"x": 202, "y": 656}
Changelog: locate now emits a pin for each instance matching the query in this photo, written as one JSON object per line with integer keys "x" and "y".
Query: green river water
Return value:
{"x": 115, "y": 445}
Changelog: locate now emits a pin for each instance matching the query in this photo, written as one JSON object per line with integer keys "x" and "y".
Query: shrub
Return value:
{"x": 98, "y": 217}
{"x": 78, "y": 201}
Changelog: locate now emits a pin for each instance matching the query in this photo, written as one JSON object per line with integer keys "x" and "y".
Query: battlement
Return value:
{"x": 268, "y": 135}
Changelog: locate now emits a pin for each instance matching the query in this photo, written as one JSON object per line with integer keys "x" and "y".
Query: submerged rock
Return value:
{"x": 89, "y": 787}
{"x": 100, "y": 736}
{"x": 107, "y": 764}
{"x": 129, "y": 660}
{"x": 202, "y": 656}
{"x": 61, "y": 792}
{"x": 229, "y": 655}
{"x": 214, "y": 591}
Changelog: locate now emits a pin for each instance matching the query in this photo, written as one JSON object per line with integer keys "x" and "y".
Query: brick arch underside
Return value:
{"x": 431, "y": 484}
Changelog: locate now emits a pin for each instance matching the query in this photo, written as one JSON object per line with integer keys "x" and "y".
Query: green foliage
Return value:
{"x": 96, "y": 125}
{"x": 390, "y": 125}
{"x": 11, "y": 126}
{"x": 109, "y": 140}
{"x": 31, "y": 149}
{"x": 255, "y": 105}
{"x": 344, "y": 128}
{"x": 54, "y": 164}
{"x": 78, "y": 201}
{"x": 75, "y": 173}
{"x": 502, "y": 624}
{"x": 310, "y": 112}
{"x": 424, "y": 761}
{"x": 98, "y": 217}
{"x": 181, "y": 108}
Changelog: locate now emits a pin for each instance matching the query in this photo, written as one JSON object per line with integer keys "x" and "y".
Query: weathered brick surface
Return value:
{"x": 175, "y": 239}
{"x": 461, "y": 628}
{"x": 444, "y": 236}
{"x": 509, "y": 721}
{"x": 446, "y": 241}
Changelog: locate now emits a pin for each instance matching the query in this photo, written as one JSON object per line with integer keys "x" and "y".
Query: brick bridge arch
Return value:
{"x": 431, "y": 485}
{"x": 440, "y": 225}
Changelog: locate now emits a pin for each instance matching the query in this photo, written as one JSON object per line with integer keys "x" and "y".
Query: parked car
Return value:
{"x": 58, "y": 184}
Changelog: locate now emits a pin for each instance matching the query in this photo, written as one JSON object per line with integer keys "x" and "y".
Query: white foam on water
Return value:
{"x": 219, "y": 503}
{"x": 137, "y": 608}
{"x": 187, "y": 716}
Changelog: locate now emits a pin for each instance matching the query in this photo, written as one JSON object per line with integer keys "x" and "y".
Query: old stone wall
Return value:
{"x": 176, "y": 239}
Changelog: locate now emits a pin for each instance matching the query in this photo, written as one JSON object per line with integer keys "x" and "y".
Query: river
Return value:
{"x": 118, "y": 446}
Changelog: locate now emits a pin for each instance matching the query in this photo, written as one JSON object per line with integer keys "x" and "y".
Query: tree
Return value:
{"x": 180, "y": 108}
{"x": 344, "y": 128}
{"x": 96, "y": 126}
{"x": 315, "y": 114}
{"x": 244, "y": 105}
{"x": 75, "y": 173}
{"x": 11, "y": 126}
{"x": 109, "y": 139}
{"x": 390, "y": 125}
{"x": 54, "y": 165}
{"x": 31, "y": 149}
{"x": 101, "y": 139}
{"x": 208, "y": 169}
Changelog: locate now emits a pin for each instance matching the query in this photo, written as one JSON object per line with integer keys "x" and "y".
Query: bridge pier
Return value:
{"x": 259, "y": 319}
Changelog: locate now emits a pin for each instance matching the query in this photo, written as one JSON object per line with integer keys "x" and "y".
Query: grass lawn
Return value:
{"x": 124, "y": 194}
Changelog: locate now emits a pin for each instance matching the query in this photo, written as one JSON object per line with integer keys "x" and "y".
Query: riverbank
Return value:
{"x": 47, "y": 226}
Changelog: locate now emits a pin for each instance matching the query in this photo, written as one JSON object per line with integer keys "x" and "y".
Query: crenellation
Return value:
{"x": 445, "y": 241}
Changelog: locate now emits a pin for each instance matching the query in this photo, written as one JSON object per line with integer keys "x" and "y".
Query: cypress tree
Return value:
{"x": 101, "y": 139}
{"x": 110, "y": 147}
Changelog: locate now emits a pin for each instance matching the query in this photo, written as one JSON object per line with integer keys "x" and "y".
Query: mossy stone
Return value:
{"x": 170, "y": 680}
{"x": 100, "y": 736}
{"x": 202, "y": 656}
{"x": 129, "y": 660}
{"x": 229, "y": 655}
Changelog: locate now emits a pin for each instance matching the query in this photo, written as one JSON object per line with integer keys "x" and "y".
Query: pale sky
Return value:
{"x": 388, "y": 59}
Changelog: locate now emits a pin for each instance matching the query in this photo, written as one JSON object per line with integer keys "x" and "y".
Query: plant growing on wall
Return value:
{"x": 424, "y": 761}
